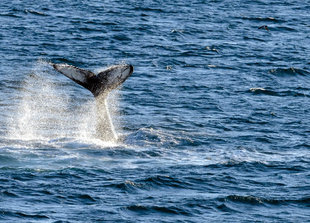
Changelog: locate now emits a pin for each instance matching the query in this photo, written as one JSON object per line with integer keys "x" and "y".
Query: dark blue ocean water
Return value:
{"x": 214, "y": 122}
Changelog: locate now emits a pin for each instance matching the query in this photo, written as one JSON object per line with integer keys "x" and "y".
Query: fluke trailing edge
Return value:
{"x": 100, "y": 85}
{"x": 103, "y": 82}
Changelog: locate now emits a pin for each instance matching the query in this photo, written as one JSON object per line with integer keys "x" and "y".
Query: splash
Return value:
{"x": 49, "y": 108}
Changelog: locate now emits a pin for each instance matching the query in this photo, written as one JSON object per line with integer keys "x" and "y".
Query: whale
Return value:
{"x": 100, "y": 85}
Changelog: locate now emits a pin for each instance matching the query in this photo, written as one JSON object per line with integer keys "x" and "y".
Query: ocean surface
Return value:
{"x": 214, "y": 123}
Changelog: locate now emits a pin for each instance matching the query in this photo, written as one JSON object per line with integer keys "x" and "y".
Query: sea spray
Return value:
{"x": 50, "y": 108}
{"x": 39, "y": 113}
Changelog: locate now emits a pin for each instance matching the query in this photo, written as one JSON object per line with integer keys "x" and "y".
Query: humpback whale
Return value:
{"x": 99, "y": 85}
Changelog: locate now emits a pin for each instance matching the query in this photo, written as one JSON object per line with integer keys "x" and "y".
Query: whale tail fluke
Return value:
{"x": 100, "y": 83}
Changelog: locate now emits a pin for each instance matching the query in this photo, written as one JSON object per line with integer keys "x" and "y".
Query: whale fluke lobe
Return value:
{"x": 76, "y": 74}
{"x": 103, "y": 82}
{"x": 100, "y": 85}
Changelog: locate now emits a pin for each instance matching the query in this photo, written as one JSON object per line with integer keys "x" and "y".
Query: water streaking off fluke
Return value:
{"x": 100, "y": 86}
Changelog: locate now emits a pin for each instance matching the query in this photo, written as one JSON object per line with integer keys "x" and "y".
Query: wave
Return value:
{"x": 9, "y": 15}
{"x": 164, "y": 181}
{"x": 153, "y": 209}
{"x": 33, "y": 12}
{"x": 263, "y": 91}
{"x": 7, "y": 160}
{"x": 148, "y": 9}
{"x": 153, "y": 137}
{"x": 262, "y": 19}
{"x": 6, "y": 193}
{"x": 28, "y": 11}
{"x": 253, "y": 200}
{"x": 84, "y": 199}
{"x": 21, "y": 215}
{"x": 288, "y": 71}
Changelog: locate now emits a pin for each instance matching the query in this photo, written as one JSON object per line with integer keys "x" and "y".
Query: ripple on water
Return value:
{"x": 213, "y": 123}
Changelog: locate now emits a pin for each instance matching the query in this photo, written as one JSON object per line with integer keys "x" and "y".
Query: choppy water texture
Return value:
{"x": 214, "y": 121}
